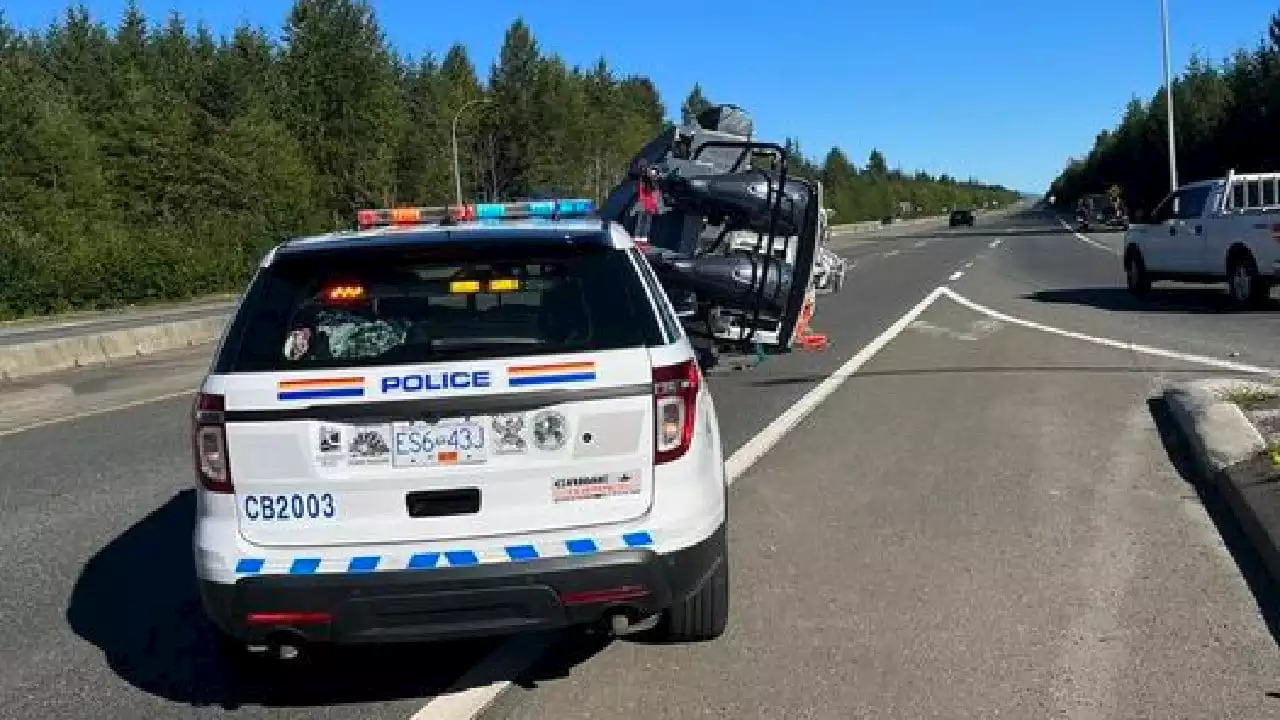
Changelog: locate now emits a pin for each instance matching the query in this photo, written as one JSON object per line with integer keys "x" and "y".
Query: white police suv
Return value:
{"x": 477, "y": 420}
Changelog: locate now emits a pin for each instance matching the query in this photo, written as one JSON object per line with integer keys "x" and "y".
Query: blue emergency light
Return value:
{"x": 533, "y": 209}
{"x": 562, "y": 209}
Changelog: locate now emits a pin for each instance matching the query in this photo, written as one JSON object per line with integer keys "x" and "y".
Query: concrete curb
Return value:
{"x": 1232, "y": 455}
{"x": 38, "y": 358}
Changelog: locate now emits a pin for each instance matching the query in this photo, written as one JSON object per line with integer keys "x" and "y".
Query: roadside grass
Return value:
{"x": 1254, "y": 397}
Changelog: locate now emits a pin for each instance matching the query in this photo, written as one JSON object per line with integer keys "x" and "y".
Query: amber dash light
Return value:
{"x": 344, "y": 293}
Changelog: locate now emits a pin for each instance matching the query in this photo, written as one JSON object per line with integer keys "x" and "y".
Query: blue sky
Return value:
{"x": 1002, "y": 90}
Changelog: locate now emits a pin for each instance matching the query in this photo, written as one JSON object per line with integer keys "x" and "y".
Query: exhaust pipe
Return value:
{"x": 621, "y": 622}
{"x": 286, "y": 646}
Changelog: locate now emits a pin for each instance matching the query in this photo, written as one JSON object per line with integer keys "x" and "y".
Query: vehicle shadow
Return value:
{"x": 136, "y": 600}
{"x": 1187, "y": 300}
{"x": 1266, "y": 592}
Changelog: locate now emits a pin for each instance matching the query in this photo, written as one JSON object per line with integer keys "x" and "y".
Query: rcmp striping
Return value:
{"x": 442, "y": 559}
{"x": 553, "y": 374}
{"x": 320, "y": 388}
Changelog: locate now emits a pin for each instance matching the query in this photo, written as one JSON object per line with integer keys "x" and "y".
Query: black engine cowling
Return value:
{"x": 728, "y": 280}
{"x": 742, "y": 201}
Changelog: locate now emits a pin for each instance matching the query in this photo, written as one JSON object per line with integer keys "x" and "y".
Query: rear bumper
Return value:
{"x": 459, "y": 602}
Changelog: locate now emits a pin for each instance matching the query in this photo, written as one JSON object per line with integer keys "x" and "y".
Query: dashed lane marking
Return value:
{"x": 1087, "y": 240}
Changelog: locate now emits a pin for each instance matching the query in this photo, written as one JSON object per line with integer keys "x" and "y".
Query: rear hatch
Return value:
{"x": 386, "y": 395}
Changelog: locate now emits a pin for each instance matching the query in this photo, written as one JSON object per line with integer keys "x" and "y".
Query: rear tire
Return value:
{"x": 1135, "y": 272}
{"x": 704, "y": 615}
{"x": 1244, "y": 285}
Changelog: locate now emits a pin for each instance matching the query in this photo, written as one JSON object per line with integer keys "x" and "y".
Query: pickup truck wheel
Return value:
{"x": 1247, "y": 289}
{"x": 1135, "y": 274}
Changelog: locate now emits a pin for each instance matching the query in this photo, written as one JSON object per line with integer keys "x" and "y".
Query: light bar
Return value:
{"x": 544, "y": 209}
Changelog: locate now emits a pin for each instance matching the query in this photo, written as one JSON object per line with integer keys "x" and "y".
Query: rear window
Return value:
{"x": 380, "y": 306}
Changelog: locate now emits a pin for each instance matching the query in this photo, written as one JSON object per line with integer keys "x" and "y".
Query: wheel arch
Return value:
{"x": 1238, "y": 251}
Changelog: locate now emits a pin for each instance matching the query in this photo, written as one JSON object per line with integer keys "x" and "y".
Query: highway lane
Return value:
{"x": 984, "y": 521}
{"x": 1046, "y": 274}
{"x": 95, "y": 514}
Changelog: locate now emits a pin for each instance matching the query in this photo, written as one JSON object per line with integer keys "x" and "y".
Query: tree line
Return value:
{"x": 147, "y": 162}
{"x": 1225, "y": 117}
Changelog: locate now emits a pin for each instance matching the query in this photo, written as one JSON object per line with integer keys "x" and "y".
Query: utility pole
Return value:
{"x": 457, "y": 173}
{"x": 1168, "y": 96}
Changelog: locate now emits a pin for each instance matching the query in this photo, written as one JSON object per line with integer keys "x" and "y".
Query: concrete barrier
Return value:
{"x": 47, "y": 356}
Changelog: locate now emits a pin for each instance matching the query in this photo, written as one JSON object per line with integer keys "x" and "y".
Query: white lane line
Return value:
{"x": 753, "y": 449}
{"x": 1107, "y": 342}
{"x": 1087, "y": 240}
{"x": 956, "y": 276}
{"x": 891, "y": 253}
{"x": 482, "y": 685}
{"x": 486, "y": 680}
{"x": 96, "y": 411}
{"x": 920, "y": 243}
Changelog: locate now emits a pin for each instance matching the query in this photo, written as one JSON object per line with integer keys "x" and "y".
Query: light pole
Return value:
{"x": 457, "y": 173}
{"x": 1168, "y": 95}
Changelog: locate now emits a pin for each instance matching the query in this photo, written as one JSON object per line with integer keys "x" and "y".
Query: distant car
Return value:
{"x": 961, "y": 217}
{"x": 1103, "y": 213}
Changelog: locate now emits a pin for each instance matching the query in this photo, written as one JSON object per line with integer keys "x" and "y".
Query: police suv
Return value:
{"x": 476, "y": 420}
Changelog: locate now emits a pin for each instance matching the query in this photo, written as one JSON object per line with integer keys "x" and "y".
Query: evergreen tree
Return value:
{"x": 341, "y": 100}
{"x": 693, "y": 104}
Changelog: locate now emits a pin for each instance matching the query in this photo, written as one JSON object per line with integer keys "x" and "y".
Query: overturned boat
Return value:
{"x": 738, "y": 241}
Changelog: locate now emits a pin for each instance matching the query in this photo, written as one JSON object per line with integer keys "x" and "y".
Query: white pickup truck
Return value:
{"x": 1211, "y": 231}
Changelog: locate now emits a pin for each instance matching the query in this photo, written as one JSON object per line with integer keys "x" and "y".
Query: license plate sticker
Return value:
{"x": 595, "y": 487}
{"x": 418, "y": 444}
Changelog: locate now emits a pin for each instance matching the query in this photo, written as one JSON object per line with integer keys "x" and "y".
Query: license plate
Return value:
{"x": 443, "y": 443}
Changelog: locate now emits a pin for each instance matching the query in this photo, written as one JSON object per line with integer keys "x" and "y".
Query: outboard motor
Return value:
{"x": 744, "y": 201}
{"x": 735, "y": 246}
{"x": 729, "y": 280}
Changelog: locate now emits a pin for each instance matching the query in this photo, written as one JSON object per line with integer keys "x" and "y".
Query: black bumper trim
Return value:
{"x": 451, "y": 603}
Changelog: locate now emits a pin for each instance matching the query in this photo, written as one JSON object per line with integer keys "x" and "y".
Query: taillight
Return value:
{"x": 209, "y": 440}
{"x": 675, "y": 394}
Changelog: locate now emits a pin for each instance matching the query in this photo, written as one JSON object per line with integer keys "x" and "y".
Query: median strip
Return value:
{"x": 25, "y": 360}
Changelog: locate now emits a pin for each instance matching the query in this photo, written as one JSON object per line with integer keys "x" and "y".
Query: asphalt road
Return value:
{"x": 983, "y": 519}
